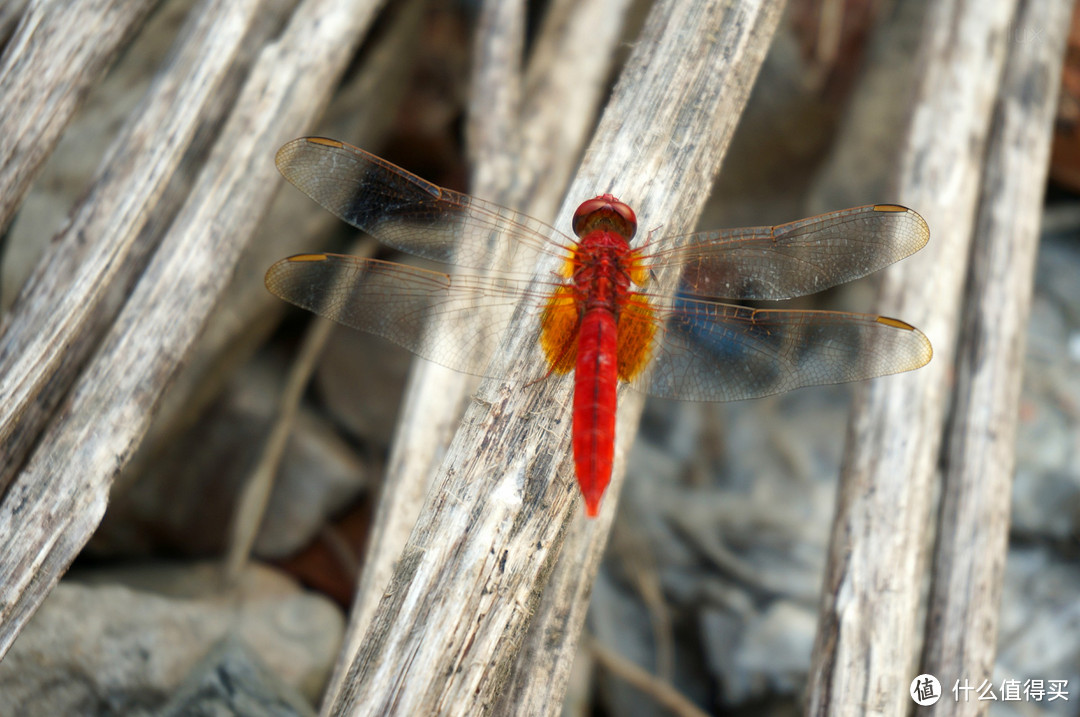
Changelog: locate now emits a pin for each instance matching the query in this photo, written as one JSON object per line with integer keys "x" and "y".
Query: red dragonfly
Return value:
{"x": 596, "y": 317}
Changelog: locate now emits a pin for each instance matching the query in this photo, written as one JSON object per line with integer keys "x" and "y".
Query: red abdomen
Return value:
{"x": 596, "y": 378}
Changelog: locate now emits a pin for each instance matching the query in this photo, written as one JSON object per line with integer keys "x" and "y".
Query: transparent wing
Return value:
{"x": 701, "y": 350}
{"x": 427, "y": 312}
{"x": 797, "y": 258}
{"x": 408, "y": 213}
{"x": 709, "y": 351}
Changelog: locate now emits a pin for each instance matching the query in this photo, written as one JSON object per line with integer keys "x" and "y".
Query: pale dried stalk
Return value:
{"x": 57, "y": 52}
{"x": 10, "y": 12}
{"x": 867, "y": 643}
{"x": 969, "y": 562}
{"x": 661, "y": 691}
{"x": 254, "y": 495}
{"x": 358, "y": 114}
{"x": 447, "y": 631}
{"x": 53, "y": 506}
{"x": 571, "y": 60}
{"x": 73, "y": 294}
{"x": 494, "y": 109}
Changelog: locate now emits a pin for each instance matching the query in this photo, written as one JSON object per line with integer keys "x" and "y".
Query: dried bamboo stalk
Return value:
{"x": 969, "y": 561}
{"x": 53, "y": 506}
{"x": 494, "y": 107}
{"x": 10, "y": 12}
{"x": 660, "y": 691}
{"x": 866, "y": 648}
{"x": 447, "y": 631}
{"x": 73, "y": 294}
{"x": 58, "y": 51}
{"x": 358, "y": 112}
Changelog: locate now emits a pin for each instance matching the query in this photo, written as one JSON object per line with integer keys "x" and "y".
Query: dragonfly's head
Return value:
{"x": 605, "y": 212}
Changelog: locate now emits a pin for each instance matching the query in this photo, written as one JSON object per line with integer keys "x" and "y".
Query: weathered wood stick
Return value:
{"x": 868, "y": 634}
{"x": 980, "y": 458}
{"x": 75, "y": 290}
{"x": 54, "y": 504}
{"x": 57, "y": 52}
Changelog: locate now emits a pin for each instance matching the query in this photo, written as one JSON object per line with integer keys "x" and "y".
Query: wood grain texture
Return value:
{"x": 867, "y": 644}
{"x": 445, "y": 635}
{"x": 292, "y": 224}
{"x": 980, "y": 454}
{"x": 53, "y": 505}
{"x": 57, "y": 52}
{"x": 74, "y": 293}
{"x": 10, "y": 12}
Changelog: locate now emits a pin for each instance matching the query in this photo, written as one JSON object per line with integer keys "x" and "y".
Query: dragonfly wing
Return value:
{"x": 430, "y": 313}
{"x": 408, "y": 213}
{"x": 709, "y": 351}
{"x": 798, "y": 258}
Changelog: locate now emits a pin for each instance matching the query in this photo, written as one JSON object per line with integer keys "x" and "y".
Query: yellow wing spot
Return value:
{"x": 919, "y": 348}
{"x": 636, "y": 330}
{"x": 895, "y": 323}
{"x": 889, "y": 208}
{"x": 307, "y": 257}
{"x": 324, "y": 141}
{"x": 559, "y": 330}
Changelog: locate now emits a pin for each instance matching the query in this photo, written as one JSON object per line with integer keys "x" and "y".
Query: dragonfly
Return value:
{"x": 598, "y": 315}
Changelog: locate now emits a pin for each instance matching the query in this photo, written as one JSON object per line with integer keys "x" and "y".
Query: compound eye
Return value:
{"x": 627, "y": 214}
{"x": 605, "y": 204}
{"x": 585, "y": 211}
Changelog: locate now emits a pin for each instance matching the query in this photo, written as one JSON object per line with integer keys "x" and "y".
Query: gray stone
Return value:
{"x": 100, "y": 647}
